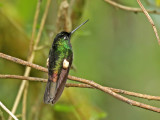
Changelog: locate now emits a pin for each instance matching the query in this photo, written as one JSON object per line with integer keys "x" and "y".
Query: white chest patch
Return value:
{"x": 65, "y": 64}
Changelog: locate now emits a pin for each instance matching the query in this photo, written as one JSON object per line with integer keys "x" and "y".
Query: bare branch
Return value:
{"x": 149, "y": 97}
{"x": 131, "y": 9}
{"x": 150, "y": 20}
{"x": 107, "y": 90}
{"x": 8, "y": 111}
{"x": 91, "y": 84}
{"x": 23, "y": 78}
{"x": 20, "y": 61}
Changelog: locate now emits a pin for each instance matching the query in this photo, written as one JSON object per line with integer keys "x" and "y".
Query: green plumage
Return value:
{"x": 65, "y": 50}
{"x": 60, "y": 61}
{"x": 61, "y": 50}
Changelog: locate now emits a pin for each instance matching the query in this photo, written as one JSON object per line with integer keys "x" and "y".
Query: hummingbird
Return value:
{"x": 59, "y": 63}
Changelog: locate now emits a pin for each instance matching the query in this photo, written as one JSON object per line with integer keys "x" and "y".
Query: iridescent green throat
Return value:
{"x": 63, "y": 45}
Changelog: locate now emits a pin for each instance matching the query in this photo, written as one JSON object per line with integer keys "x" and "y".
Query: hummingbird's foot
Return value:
{"x": 65, "y": 64}
{"x": 47, "y": 63}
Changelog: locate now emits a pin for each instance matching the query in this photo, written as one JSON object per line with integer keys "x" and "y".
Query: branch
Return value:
{"x": 23, "y": 78}
{"x": 109, "y": 91}
{"x": 149, "y": 19}
{"x": 17, "y": 60}
{"x": 139, "y": 95}
{"x": 130, "y": 9}
{"x": 91, "y": 83}
{"x": 35, "y": 79}
{"x": 23, "y": 62}
{"x": 8, "y": 111}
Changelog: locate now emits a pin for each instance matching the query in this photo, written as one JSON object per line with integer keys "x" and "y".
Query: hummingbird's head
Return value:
{"x": 64, "y": 37}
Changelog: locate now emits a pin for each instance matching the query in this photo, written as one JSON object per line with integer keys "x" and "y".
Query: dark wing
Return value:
{"x": 55, "y": 89}
{"x": 51, "y": 86}
{"x": 60, "y": 84}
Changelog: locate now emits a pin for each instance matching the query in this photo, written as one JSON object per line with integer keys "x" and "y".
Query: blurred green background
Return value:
{"x": 115, "y": 48}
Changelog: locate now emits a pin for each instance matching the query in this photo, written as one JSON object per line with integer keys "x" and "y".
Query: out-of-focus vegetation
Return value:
{"x": 115, "y": 48}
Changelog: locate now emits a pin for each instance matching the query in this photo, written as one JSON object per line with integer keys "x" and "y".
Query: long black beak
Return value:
{"x": 78, "y": 27}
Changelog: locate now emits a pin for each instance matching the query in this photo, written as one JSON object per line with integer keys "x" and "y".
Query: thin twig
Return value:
{"x": 150, "y": 20}
{"x": 42, "y": 23}
{"x": 24, "y": 102}
{"x": 8, "y": 111}
{"x": 42, "y": 47}
{"x": 17, "y": 60}
{"x": 20, "y": 61}
{"x": 34, "y": 26}
{"x": 23, "y": 62}
{"x": 19, "y": 94}
{"x": 144, "y": 96}
{"x": 22, "y": 86}
{"x": 107, "y": 90}
{"x": 131, "y": 9}
{"x": 35, "y": 79}
{"x": 29, "y": 56}
{"x": 23, "y": 78}
{"x": 30, "y": 59}
{"x": 32, "y": 54}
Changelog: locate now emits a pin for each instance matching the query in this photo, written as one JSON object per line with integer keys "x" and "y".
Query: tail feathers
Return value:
{"x": 54, "y": 89}
{"x": 50, "y": 92}
{"x": 60, "y": 84}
